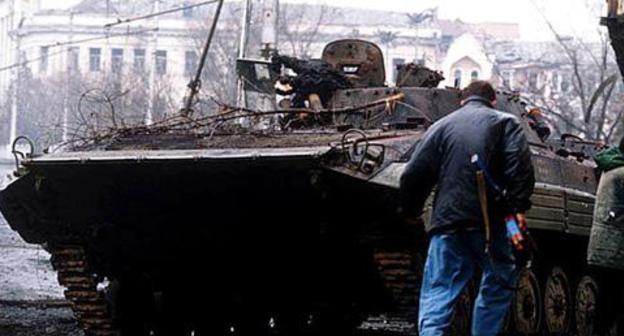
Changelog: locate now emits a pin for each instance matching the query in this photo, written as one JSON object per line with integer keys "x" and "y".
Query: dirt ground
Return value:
{"x": 31, "y": 301}
{"x": 37, "y": 318}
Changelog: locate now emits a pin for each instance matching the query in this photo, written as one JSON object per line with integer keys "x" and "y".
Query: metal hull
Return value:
{"x": 258, "y": 233}
{"x": 238, "y": 234}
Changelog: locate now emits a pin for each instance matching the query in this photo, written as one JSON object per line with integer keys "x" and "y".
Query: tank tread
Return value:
{"x": 388, "y": 325}
{"x": 88, "y": 304}
{"x": 400, "y": 273}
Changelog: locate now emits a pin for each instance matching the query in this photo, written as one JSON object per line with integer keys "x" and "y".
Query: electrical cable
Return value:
{"x": 149, "y": 16}
{"x": 28, "y": 61}
{"x": 90, "y": 39}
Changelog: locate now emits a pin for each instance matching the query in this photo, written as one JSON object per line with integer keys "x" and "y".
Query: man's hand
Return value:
{"x": 522, "y": 221}
{"x": 417, "y": 221}
{"x": 415, "y": 224}
{"x": 524, "y": 257}
{"x": 410, "y": 218}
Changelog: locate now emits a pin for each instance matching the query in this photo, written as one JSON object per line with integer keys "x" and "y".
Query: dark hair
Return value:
{"x": 479, "y": 88}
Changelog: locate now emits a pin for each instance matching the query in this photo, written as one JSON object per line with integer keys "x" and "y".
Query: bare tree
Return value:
{"x": 588, "y": 109}
{"x": 93, "y": 102}
{"x": 387, "y": 38}
{"x": 219, "y": 77}
{"x": 574, "y": 81}
{"x": 300, "y": 28}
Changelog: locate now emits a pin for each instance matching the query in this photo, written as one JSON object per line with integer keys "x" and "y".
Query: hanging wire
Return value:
{"x": 148, "y": 16}
{"x": 58, "y": 44}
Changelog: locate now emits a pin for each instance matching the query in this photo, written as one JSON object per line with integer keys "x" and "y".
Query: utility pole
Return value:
{"x": 270, "y": 21}
{"x": 70, "y": 71}
{"x": 17, "y": 22}
{"x": 241, "y": 99}
{"x": 151, "y": 52}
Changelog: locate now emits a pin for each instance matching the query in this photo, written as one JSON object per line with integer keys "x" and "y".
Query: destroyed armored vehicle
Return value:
{"x": 201, "y": 226}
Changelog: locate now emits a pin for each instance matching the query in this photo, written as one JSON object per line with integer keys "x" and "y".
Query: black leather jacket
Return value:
{"x": 442, "y": 158}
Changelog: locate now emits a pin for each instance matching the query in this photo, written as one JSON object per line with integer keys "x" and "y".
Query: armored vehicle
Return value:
{"x": 202, "y": 226}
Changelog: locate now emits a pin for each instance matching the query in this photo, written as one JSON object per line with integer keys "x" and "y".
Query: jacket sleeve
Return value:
{"x": 517, "y": 166}
{"x": 421, "y": 174}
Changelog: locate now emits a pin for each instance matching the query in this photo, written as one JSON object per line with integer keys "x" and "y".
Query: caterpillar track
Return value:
{"x": 88, "y": 304}
{"x": 401, "y": 274}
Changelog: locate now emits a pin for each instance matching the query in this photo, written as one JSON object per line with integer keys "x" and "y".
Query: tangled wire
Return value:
{"x": 226, "y": 121}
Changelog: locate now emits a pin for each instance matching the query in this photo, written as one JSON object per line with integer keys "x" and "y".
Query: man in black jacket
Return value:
{"x": 443, "y": 159}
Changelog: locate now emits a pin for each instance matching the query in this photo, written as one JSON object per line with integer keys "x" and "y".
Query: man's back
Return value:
{"x": 443, "y": 157}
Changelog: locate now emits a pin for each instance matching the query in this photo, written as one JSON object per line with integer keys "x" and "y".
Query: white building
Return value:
{"x": 58, "y": 43}
{"x": 53, "y": 42}
{"x": 13, "y": 15}
{"x": 465, "y": 61}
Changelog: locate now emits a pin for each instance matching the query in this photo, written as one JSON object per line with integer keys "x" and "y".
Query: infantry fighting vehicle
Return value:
{"x": 202, "y": 226}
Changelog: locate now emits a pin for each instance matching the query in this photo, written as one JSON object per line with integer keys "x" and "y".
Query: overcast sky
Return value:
{"x": 570, "y": 17}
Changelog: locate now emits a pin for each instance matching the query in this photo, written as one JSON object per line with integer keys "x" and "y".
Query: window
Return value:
{"x": 507, "y": 79}
{"x": 556, "y": 82}
{"x": 533, "y": 80}
{"x": 190, "y": 63}
{"x": 116, "y": 60}
{"x": 139, "y": 59}
{"x": 161, "y": 62}
{"x": 43, "y": 57}
{"x": 566, "y": 85}
{"x": 95, "y": 57}
{"x": 73, "y": 56}
{"x": 474, "y": 75}
{"x": 187, "y": 12}
{"x": 457, "y": 78}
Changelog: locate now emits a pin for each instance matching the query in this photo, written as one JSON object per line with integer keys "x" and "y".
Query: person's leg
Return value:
{"x": 447, "y": 271}
{"x": 496, "y": 289}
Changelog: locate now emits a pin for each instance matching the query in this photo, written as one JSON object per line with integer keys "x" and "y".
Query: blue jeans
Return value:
{"x": 450, "y": 266}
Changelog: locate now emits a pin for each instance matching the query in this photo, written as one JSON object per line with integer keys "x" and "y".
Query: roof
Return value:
{"x": 538, "y": 53}
{"x": 345, "y": 16}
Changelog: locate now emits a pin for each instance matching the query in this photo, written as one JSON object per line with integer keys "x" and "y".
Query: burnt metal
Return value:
{"x": 360, "y": 61}
{"x": 88, "y": 304}
{"x": 257, "y": 76}
{"x": 195, "y": 84}
{"x": 416, "y": 75}
{"x": 527, "y": 306}
{"x": 588, "y": 303}
{"x": 576, "y": 147}
{"x": 313, "y": 210}
{"x": 557, "y": 302}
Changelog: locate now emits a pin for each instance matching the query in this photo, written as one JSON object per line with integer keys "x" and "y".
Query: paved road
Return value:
{"x": 31, "y": 301}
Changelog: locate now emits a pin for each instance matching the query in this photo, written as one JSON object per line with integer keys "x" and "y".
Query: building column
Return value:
{"x": 16, "y": 19}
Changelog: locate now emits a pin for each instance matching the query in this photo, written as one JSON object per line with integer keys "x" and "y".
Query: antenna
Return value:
{"x": 195, "y": 84}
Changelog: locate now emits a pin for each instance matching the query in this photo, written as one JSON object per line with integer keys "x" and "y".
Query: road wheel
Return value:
{"x": 587, "y": 306}
{"x": 616, "y": 327}
{"x": 527, "y": 304}
{"x": 557, "y": 302}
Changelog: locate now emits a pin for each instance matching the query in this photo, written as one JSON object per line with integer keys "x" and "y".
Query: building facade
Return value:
{"x": 158, "y": 56}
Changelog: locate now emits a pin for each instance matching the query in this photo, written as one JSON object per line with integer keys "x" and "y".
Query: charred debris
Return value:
{"x": 282, "y": 220}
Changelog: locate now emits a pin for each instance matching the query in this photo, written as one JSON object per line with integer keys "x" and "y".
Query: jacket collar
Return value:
{"x": 478, "y": 99}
